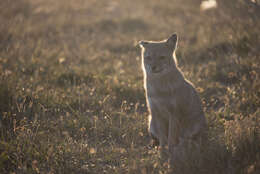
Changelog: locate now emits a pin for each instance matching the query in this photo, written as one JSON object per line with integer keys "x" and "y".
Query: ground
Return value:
{"x": 71, "y": 89}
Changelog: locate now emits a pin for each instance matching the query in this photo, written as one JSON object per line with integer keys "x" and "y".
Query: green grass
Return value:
{"x": 71, "y": 93}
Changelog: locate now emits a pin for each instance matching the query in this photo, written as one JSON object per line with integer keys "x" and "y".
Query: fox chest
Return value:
{"x": 162, "y": 105}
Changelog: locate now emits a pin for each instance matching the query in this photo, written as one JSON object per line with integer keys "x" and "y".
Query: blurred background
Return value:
{"x": 71, "y": 89}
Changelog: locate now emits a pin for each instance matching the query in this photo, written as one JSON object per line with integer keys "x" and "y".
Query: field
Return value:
{"x": 71, "y": 88}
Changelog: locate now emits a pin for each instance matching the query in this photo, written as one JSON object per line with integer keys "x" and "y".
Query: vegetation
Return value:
{"x": 71, "y": 94}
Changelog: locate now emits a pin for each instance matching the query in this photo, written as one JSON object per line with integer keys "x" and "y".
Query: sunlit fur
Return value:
{"x": 176, "y": 114}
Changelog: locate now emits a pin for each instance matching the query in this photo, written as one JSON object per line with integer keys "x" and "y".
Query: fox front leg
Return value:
{"x": 173, "y": 138}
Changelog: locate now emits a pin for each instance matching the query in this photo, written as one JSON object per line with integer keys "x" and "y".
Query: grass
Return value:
{"x": 71, "y": 94}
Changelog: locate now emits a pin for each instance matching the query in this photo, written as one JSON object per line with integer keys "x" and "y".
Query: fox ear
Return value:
{"x": 172, "y": 41}
{"x": 143, "y": 44}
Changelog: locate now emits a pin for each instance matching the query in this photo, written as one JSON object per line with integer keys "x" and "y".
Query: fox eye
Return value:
{"x": 162, "y": 57}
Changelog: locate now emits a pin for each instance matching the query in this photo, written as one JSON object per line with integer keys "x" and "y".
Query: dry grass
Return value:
{"x": 71, "y": 95}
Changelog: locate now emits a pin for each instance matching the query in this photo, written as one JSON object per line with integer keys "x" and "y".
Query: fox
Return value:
{"x": 176, "y": 116}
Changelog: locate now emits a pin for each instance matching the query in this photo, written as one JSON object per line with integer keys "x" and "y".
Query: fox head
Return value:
{"x": 159, "y": 57}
